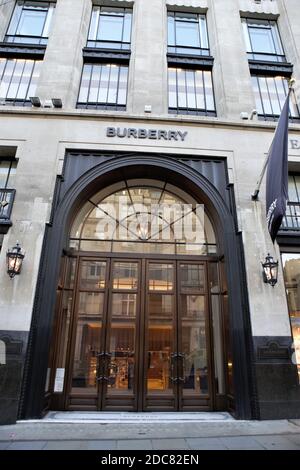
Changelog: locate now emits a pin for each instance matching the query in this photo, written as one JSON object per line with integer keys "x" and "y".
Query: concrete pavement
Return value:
{"x": 154, "y": 435}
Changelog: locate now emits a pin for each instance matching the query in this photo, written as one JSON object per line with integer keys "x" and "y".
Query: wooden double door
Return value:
{"x": 139, "y": 336}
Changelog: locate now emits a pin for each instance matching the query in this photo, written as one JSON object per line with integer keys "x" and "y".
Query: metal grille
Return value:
{"x": 103, "y": 86}
{"x": 191, "y": 92}
{"x": 18, "y": 80}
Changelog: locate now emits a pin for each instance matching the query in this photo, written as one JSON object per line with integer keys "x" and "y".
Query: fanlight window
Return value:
{"x": 143, "y": 216}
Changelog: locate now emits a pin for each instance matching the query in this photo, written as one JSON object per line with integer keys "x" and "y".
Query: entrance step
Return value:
{"x": 131, "y": 417}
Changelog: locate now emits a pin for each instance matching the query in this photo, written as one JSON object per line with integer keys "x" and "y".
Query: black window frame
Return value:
{"x": 7, "y": 197}
{"x": 188, "y": 50}
{"x": 99, "y": 56}
{"x": 190, "y": 62}
{"x": 265, "y": 56}
{"x": 33, "y": 40}
{"x": 291, "y": 220}
{"x": 99, "y": 44}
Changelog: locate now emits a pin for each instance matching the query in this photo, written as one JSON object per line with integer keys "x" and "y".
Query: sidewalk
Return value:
{"x": 167, "y": 434}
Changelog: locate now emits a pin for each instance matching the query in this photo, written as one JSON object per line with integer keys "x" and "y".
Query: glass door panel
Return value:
{"x": 89, "y": 341}
{"x": 120, "y": 351}
{"x": 193, "y": 330}
{"x": 87, "y": 344}
{"x": 160, "y": 366}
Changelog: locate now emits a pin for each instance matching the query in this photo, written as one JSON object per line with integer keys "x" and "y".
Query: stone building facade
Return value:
{"x": 146, "y": 97}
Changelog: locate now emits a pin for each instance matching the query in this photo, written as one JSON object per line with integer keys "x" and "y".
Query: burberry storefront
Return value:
{"x": 141, "y": 303}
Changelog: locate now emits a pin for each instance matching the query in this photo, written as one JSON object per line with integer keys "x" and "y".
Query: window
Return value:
{"x": 291, "y": 269}
{"x": 190, "y": 85}
{"x": 262, "y": 40}
{"x": 30, "y": 23}
{"x": 7, "y": 185}
{"x": 105, "y": 71}
{"x": 110, "y": 28}
{"x": 18, "y": 80}
{"x": 187, "y": 33}
{"x": 103, "y": 86}
{"x": 191, "y": 92}
{"x": 270, "y": 94}
{"x": 291, "y": 220}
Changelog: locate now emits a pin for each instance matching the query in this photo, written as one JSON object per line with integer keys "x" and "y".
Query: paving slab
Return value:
{"x": 205, "y": 443}
{"x": 27, "y": 445}
{"x": 277, "y": 443}
{"x": 139, "y": 444}
{"x": 102, "y": 445}
{"x": 170, "y": 444}
{"x": 241, "y": 443}
{"x": 4, "y": 445}
{"x": 66, "y": 445}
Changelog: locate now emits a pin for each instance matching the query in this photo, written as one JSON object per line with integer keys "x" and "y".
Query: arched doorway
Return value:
{"x": 140, "y": 312}
{"x": 45, "y": 382}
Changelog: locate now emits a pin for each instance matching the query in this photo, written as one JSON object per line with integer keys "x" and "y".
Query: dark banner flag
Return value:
{"x": 277, "y": 174}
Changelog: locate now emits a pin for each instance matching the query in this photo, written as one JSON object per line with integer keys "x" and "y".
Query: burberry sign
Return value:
{"x": 154, "y": 134}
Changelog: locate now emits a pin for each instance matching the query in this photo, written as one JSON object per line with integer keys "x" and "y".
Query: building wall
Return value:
{"x": 42, "y": 137}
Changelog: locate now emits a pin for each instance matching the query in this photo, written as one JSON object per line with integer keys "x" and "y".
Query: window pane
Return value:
{"x": 246, "y": 35}
{"x": 171, "y": 31}
{"x": 25, "y": 80}
{"x": 172, "y": 88}
{"x": 113, "y": 84}
{"x": 192, "y": 278}
{"x": 102, "y": 97}
{"x": 125, "y": 276}
{"x": 48, "y": 22}
{"x": 110, "y": 28}
{"x": 6, "y": 77}
{"x": 93, "y": 275}
{"x": 190, "y": 86}
{"x": 16, "y": 78}
{"x": 94, "y": 83}
{"x": 276, "y": 108}
{"x": 258, "y": 101}
{"x": 265, "y": 95}
{"x": 4, "y": 170}
{"x": 276, "y": 39}
{"x": 15, "y": 20}
{"x": 127, "y": 27}
{"x": 203, "y": 32}
{"x": 31, "y": 23}
{"x": 261, "y": 40}
{"x": 161, "y": 277}
{"x": 199, "y": 89}
{"x": 85, "y": 83}
{"x": 209, "y": 94}
{"x": 181, "y": 84}
{"x": 34, "y": 78}
{"x": 122, "y": 92}
{"x": 293, "y": 196}
{"x": 187, "y": 34}
{"x": 94, "y": 23}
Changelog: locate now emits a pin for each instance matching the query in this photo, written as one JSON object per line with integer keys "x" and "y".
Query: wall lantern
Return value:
{"x": 14, "y": 258}
{"x": 270, "y": 270}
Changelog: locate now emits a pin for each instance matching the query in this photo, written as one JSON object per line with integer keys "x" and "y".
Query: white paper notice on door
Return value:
{"x": 59, "y": 380}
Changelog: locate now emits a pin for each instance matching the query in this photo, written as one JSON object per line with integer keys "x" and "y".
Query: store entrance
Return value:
{"x": 140, "y": 338}
{"x": 141, "y": 319}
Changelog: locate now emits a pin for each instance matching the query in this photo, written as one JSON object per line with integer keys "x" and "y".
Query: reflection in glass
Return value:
{"x": 192, "y": 277}
{"x": 194, "y": 362}
{"x": 161, "y": 277}
{"x": 160, "y": 344}
{"x": 93, "y": 274}
{"x": 122, "y": 345}
{"x": 291, "y": 269}
{"x": 88, "y": 337}
{"x": 125, "y": 275}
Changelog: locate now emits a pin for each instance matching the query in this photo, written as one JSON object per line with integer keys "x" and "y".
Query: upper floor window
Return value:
{"x": 7, "y": 191}
{"x": 7, "y": 173}
{"x": 103, "y": 86}
{"x": 110, "y": 28}
{"x": 263, "y": 42}
{"x": 191, "y": 92}
{"x": 30, "y": 23}
{"x": 291, "y": 220}
{"x": 270, "y": 94}
{"x": 18, "y": 80}
{"x": 187, "y": 33}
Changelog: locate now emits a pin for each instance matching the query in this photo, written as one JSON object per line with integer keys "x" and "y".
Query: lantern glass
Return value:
{"x": 270, "y": 270}
{"x": 14, "y": 258}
